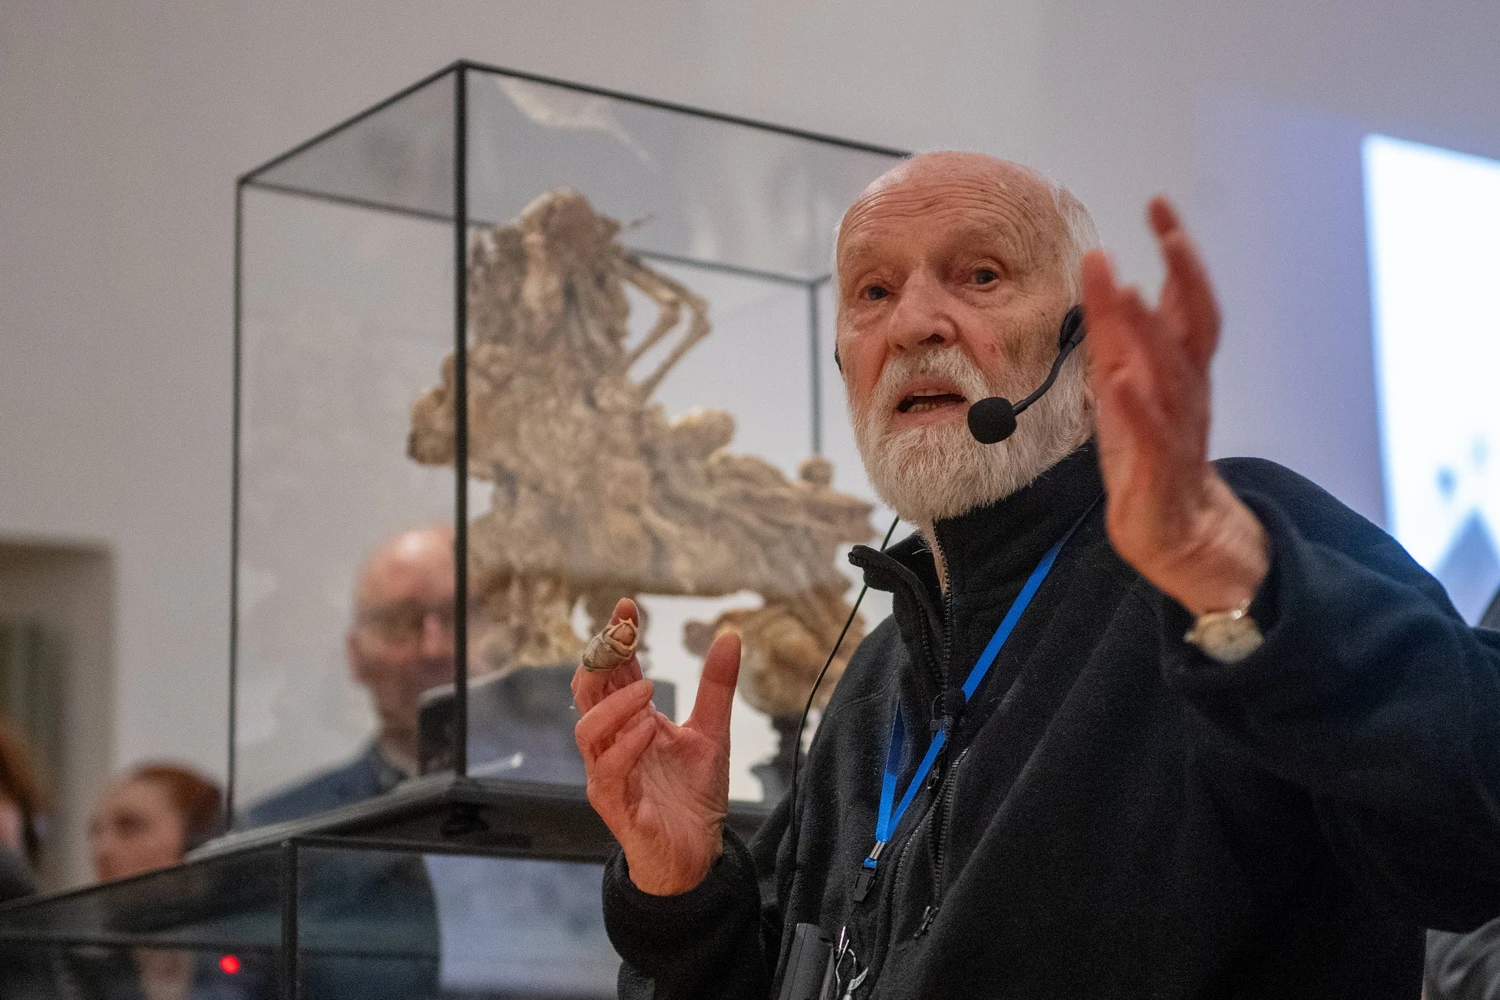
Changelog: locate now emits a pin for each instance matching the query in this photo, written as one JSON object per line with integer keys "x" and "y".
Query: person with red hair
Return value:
{"x": 151, "y": 817}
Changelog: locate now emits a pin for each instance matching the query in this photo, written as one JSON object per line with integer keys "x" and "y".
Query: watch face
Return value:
{"x": 1227, "y": 638}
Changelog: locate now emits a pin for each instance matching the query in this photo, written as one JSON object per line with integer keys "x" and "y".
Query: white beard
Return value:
{"x": 930, "y": 473}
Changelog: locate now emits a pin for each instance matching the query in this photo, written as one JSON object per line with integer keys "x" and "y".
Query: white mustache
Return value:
{"x": 951, "y": 364}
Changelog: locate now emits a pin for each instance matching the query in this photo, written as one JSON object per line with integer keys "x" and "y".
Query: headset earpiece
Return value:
{"x": 1072, "y": 332}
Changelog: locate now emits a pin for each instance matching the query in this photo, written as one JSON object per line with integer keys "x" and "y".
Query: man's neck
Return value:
{"x": 925, "y": 529}
{"x": 399, "y": 753}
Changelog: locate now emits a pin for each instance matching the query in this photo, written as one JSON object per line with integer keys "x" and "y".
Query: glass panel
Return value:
{"x": 222, "y": 901}
{"x": 398, "y": 157}
{"x": 212, "y": 925}
{"x": 106, "y": 972}
{"x": 694, "y": 186}
{"x": 345, "y": 563}
{"x": 378, "y": 924}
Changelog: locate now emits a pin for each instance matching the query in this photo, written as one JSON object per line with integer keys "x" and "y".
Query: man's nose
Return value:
{"x": 437, "y": 636}
{"x": 923, "y": 315}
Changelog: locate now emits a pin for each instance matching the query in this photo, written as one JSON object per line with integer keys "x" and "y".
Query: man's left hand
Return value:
{"x": 1169, "y": 513}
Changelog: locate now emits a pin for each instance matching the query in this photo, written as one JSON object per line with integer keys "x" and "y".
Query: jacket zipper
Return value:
{"x": 896, "y": 872}
{"x": 942, "y": 673}
{"x": 947, "y": 802}
{"x": 942, "y": 801}
{"x": 947, "y": 617}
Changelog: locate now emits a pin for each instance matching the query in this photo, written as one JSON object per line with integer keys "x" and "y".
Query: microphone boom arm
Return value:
{"x": 1072, "y": 336}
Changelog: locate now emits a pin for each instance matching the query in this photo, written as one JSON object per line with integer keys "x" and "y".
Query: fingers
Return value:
{"x": 610, "y": 773}
{"x": 1127, "y": 335}
{"x": 590, "y": 687}
{"x": 1186, "y": 271}
{"x": 1121, "y": 325}
{"x": 602, "y": 725}
{"x": 1129, "y": 408}
{"x": 715, "y": 698}
{"x": 1162, "y": 215}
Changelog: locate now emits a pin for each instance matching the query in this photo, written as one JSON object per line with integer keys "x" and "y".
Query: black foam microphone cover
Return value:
{"x": 992, "y": 420}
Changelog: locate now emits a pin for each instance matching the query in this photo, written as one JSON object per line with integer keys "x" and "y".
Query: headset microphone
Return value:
{"x": 993, "y": 419}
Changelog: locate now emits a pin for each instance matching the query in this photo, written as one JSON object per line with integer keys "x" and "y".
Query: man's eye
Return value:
{"x": 983, "y": 276}
{"x": 875, "y": 293}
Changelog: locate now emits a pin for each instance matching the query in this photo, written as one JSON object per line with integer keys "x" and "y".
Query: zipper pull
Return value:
{"x": 953, "y": 702}
{"x": 927, "y": 916}
{"x": 865, "y": 877}
{"x": 854, "y": 984}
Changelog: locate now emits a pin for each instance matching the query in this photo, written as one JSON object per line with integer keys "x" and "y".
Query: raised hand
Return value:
{"x": 663, "y": 789}
{"x": 1169, "y": 515}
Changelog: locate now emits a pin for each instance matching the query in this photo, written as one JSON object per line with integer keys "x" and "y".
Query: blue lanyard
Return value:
{"x": 889, "y": 818}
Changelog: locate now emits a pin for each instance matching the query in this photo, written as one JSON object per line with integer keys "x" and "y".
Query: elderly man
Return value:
{"x": 1235, "y": 744}
{"x": 399, "y": 644}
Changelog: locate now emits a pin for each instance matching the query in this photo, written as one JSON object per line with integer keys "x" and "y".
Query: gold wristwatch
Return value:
{"x": 1226, "y": 636}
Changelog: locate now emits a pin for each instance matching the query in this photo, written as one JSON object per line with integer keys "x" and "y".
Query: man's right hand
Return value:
{"x": 663, "y": 789}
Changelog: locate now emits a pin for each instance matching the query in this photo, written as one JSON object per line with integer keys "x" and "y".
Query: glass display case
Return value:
{"x": 441, "y": 888}
{"x": 506, "y": 350}
{"x": 614, "y": 312}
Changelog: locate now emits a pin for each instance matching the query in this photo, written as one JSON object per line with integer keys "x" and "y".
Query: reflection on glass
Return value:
{"x": 376, "y": 924}
{"x": 370, "y": 924}
{"x": 399, "y": 645}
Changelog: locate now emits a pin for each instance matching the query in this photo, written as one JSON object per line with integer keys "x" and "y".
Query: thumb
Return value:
{"x": 715, "y": 698}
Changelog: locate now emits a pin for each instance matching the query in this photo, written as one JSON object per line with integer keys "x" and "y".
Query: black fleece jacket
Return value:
{"x": 1117, "y": 815}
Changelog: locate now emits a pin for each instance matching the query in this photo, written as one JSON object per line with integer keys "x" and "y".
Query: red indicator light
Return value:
{"x": 229, "y": 964}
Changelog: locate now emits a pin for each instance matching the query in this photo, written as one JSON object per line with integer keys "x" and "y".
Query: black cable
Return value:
{"x": 1057, "y": 364}
{"x": 802, "y": 723}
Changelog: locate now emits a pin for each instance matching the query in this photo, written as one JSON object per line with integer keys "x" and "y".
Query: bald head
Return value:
{"x": 413, "y": 563}
{"x": 956, "y": 165}
{"x": 954, "y": 272}
{"x": 1047, "y": 217}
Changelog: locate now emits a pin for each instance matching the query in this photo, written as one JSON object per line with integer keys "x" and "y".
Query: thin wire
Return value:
{"x": 802, "y": 723}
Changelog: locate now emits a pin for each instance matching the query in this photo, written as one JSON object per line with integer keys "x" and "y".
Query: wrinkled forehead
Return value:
{"x": 922, "y": 205}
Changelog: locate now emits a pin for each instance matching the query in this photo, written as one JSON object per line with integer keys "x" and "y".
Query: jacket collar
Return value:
{"x": 986, "y": 548}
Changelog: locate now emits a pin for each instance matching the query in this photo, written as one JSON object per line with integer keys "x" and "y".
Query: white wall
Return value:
{"x": 123, "y": 125}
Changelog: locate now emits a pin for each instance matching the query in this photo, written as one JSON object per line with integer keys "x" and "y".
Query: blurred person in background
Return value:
{"x": 399, "y": 644}
{"x": 23, "y": 800}
{"x": 151, "y": 817}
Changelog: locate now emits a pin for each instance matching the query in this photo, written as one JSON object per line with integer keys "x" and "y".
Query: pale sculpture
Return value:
{"x": 598, "y": 495}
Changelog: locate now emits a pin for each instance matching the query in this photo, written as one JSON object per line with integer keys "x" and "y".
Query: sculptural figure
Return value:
{"x": 597, "y": 494}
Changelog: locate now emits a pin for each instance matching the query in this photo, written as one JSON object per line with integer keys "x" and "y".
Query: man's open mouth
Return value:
{"x": 921, "y": 402}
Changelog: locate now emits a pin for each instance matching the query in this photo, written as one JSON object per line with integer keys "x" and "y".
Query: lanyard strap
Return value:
{"x": 889, "y": 817}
